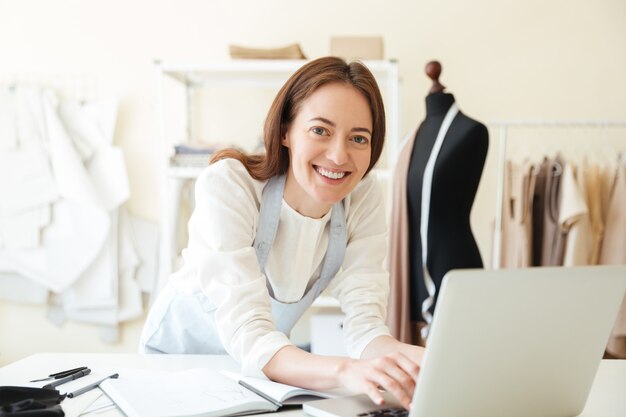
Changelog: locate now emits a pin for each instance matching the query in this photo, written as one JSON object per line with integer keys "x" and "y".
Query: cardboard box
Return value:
{"x": 357, "y": 47}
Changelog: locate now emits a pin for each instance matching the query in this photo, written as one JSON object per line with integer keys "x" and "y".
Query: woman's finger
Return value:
{"x": 393, "y": 387}
{"x": 407, "y": 365}
{"x": 406, "y": 381}
{"x": 371, "y": 389}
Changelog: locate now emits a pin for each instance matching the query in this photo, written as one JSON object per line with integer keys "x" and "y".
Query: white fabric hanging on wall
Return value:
{"x": 27, "y": 187}
{"x": 80, "y": 223}
{"x": 64, "y": 228}
{"x": 90, "y": 124}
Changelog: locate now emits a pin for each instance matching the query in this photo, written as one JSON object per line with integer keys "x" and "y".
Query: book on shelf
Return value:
{"x": 202, "y": 392}
{"x": 194, "y": 149}
{"x": 192, "y": 155}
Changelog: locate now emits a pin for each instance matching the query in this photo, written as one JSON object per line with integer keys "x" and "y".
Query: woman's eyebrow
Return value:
{"x": 360, "y": 129}
{"x": 325, "y": 120}
{"x": 322, "y": 119}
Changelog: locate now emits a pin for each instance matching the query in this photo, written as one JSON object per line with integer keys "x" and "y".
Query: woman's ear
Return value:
{"x": 285, "y": 141}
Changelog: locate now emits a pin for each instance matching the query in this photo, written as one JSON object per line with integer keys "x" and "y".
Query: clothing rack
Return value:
{"x": 503, "y": 127}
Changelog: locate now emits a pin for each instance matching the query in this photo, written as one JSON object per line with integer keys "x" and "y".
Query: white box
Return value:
{"x": 327, "y": 334}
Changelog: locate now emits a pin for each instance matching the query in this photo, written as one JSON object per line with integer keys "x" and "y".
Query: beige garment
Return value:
{"x": 574, "y": 220}
{"x": 608, "y": 176}
{"x": 614, "y": 245}
{"x": 519, "y": 184}
{"x": 592, "y": 180}
{"x": 399, "y": 309}
{"x": 614, "y": 253}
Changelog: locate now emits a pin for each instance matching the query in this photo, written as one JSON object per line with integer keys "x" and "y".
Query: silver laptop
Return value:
{"x": 524, "y": 342}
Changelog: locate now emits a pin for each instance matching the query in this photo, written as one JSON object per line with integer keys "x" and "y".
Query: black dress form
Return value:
{"x": 456, "y": 175}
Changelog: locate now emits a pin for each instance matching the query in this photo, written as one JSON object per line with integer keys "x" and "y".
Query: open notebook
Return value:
{"x": 201, "y": 392}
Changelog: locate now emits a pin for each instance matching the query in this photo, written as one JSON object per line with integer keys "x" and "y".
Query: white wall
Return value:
{"x": 532, "y": 59}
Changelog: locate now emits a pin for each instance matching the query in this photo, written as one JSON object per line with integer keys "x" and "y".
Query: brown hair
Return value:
{"x": 298, "y": 87}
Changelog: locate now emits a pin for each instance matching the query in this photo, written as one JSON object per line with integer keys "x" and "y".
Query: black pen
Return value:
{"x": 67, "y": 379}
{"x": 61, "y": 374}
{"x": 89, "y": 387}
{"x": 260, "y": 393}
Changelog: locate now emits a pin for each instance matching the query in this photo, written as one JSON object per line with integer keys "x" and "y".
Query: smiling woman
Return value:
{"x": 329, "y": 151}
{"x": 246, "y": 281}
{"x": 328, "y": 109}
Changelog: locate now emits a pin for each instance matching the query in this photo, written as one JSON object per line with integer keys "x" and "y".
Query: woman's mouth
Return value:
{"x": 332, "y": 175}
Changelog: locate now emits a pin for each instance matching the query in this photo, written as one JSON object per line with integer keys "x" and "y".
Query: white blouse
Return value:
{"x": 221, "y": 261}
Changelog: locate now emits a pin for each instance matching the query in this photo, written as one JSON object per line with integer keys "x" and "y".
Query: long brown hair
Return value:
{"x": 298, "y": 87}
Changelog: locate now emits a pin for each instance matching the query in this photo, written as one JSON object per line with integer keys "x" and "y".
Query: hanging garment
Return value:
{"x": 614, "y": 243}
{"x": 552, "y": 233}
{"x": 70, "y": 243}
{"x": 574, "y": 220}
{"x": 108, "y": 294}
{"x": 90, "y": 124}
{"x": 60, "y": 230}
{"x": 614, "y": 253}
{"x": 519, "y": 185}
{"x": 538, "y": 211}
{"x": 26, "y": 182}
{"x": 93, "y": 297}
{"x": 399, "y": 307}
{"x": 186, "y": 323}
{"x": 592, "y": 179}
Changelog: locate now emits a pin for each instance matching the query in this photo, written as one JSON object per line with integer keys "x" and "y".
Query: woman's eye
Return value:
{"x": 319, "y": 130}
{"x": 360, "y": 139}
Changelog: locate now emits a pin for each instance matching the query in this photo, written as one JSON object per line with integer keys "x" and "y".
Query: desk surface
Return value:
{"x": 607, "y": 397}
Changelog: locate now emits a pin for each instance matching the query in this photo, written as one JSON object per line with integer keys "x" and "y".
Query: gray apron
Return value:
{"x": 185, "y": 323}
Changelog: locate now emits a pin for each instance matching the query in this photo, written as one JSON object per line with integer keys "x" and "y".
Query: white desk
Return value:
{"x": 607, "y": 398}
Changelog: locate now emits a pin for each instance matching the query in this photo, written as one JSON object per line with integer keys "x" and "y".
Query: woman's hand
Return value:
{"x": 394, "y": 372}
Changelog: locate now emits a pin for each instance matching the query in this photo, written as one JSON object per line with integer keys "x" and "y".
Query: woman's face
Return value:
{"x": 329, "y": 144}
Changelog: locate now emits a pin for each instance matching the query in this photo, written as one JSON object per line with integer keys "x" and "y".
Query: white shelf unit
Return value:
{"x": 242, "y": 74}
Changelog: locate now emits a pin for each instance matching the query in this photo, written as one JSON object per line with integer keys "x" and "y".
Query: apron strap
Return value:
{"x": 269, "y": 215}
{"x": 287, "y": 314}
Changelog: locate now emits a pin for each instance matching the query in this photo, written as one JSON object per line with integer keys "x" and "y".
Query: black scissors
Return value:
{"x": 61, "y": 374}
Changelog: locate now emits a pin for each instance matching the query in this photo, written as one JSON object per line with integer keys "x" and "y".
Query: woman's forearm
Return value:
{"x": 386, "y": 363}
{"x": 293, "y": 366}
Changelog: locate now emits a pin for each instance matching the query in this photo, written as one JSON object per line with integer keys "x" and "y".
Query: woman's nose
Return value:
{"x": 337, "y": 151}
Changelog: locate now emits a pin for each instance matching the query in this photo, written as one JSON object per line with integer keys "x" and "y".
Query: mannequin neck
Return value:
{"x": 438, "y": 103}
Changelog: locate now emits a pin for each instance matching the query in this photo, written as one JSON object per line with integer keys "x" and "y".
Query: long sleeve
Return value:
{"x": 221, "y": 232}
{"x": 362, "y": 287}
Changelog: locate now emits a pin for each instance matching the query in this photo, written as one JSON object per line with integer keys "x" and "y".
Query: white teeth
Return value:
{"x": 329, "y": 174}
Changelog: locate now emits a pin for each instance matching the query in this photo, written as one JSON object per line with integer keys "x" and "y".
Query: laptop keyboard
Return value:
{"x": 385, "y": 412}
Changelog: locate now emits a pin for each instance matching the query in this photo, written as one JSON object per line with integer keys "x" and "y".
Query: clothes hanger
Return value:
{"x": 557, "y": 169}
{"x": 433, "y": 70}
